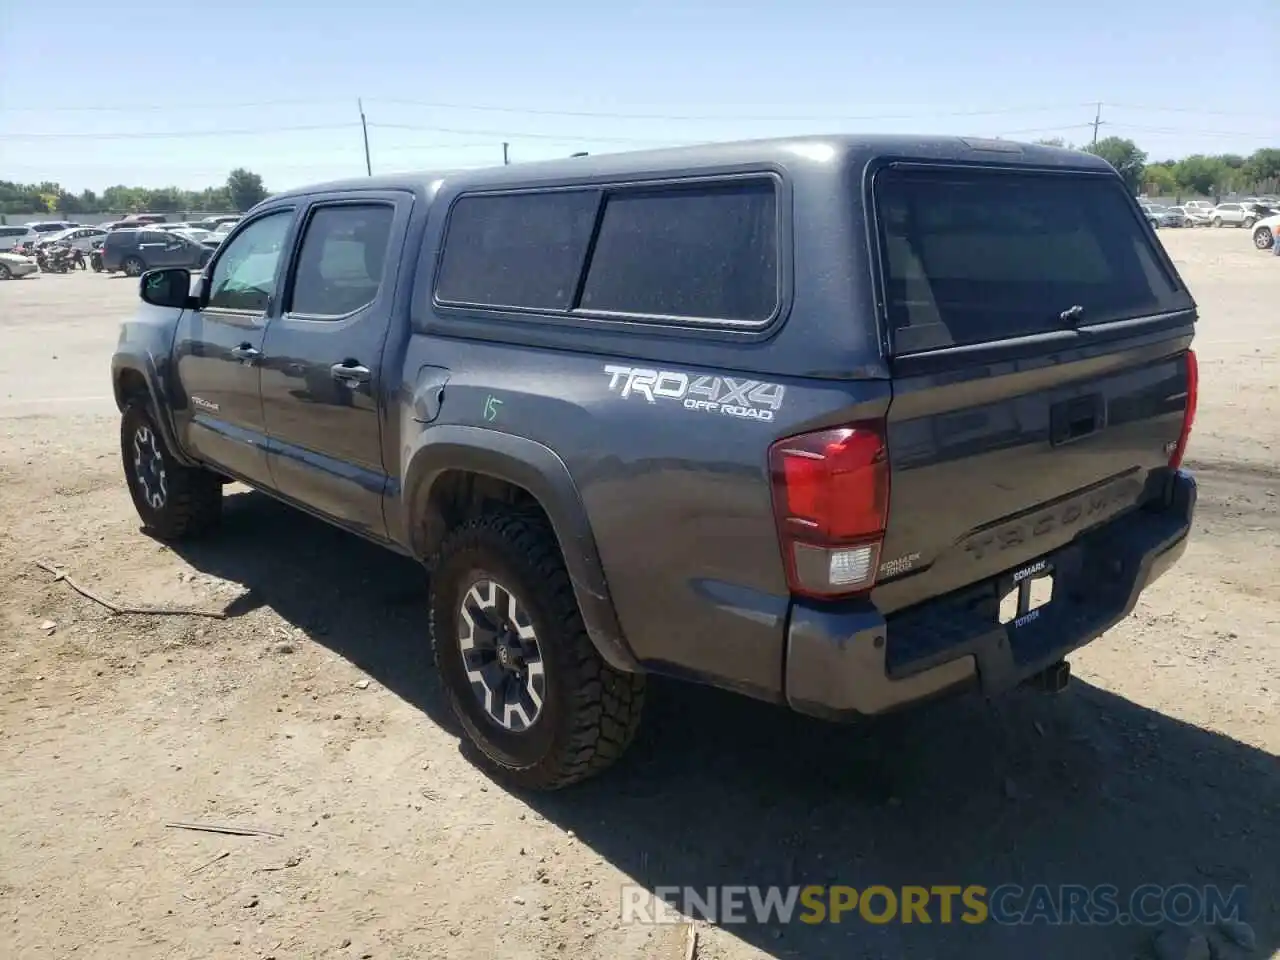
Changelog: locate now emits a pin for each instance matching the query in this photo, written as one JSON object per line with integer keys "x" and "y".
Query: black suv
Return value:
{"x": 841, "y": 423}
{"x": 136, "y": 251}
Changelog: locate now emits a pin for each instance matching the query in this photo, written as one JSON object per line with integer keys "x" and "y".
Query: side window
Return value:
{"x": 244, "y": 278}
{"x": 701, "y": 253}
{"x": 517, "y": 250}
{"x": 340, "y": 263}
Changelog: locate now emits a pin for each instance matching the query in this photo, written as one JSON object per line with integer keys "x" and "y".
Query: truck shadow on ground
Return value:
{"x": 1085, "y": 788}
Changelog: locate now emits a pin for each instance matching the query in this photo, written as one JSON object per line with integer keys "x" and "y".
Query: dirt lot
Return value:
{"x": 313, "y": 713}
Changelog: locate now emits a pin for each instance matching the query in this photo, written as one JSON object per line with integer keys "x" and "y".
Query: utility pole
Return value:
{"x": 368, "y": 167}
{"x": 506, "y": 158}
{"x": 1097, "y": 122}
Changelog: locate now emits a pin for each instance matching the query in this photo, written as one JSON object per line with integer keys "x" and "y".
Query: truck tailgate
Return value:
{"x": 993, "y": 469}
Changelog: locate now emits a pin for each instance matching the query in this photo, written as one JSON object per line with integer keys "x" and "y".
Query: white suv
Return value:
{"x": 10, "y": 237}
{"x": 1233, "y": 214}
{"x": 1264, "y": 232}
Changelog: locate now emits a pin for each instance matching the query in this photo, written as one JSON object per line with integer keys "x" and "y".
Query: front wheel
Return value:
{"x": 5, "y": 272}
{"x": 173, "y": 501}
{"x": 523, "y": 677}
{"x": 1217, "y": 221}
{"x": 1263, "y": 238}
{"x": 134, "y": 267}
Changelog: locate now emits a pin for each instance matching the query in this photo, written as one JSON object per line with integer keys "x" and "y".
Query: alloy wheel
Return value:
{"x": 501, "y": 656}
{"x": 148, "y": 467}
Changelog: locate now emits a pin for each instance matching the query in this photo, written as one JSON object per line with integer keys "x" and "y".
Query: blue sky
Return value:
{"x": 179, "y": 93}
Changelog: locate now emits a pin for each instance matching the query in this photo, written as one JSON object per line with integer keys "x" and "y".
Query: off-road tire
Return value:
{"x": 590, "y": 711}
{"x": 133, "y": 267}
{"x": 192, "y": 503}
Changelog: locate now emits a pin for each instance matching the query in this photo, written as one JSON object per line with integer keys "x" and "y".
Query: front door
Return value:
{"x": 218, "y": 350}
{"x": 322, "y": 378}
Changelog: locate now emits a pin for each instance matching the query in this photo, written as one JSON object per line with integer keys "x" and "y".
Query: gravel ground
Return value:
{"x": 313, "y": 712}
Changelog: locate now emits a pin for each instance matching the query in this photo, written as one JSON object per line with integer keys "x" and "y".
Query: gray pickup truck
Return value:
{"x": 842, "y": 423}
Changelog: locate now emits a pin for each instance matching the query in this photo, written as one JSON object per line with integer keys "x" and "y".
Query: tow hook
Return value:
{"x": 1052, "y": 679}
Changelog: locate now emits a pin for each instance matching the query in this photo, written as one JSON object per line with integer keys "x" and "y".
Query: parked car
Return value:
{"x": 603, "y": 399}
{"x": 13, "y": 266}
{"x": 1189, "y": 216}
{"x": 83, "y": 239}
{"x": 50, "y": 226}
{"x": 1231, "y": 215}
{"x": 1264, "y": 232}
{"x": 1172, "y": 217}
{"x": 136, "y": 251}
{"x": 13, "y": 236}
{"x": 206, "y": 237}
{"x": 1200, "y": 206}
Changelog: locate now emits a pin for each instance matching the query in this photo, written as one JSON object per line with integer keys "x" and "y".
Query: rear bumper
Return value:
{"x": 845, "y": 660}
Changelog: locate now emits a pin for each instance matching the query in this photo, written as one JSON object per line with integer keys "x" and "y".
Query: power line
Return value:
{"x": 702, "y": 118}
{"x": 176, "y": 134}
{"x": 176, "y": 107}
{"x": 508, "y": 135}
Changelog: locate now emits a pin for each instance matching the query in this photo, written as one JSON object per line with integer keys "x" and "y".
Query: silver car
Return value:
{"x": 13, "y": 266}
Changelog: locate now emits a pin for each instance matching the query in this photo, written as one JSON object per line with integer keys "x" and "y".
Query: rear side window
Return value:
{"x": 699, "y": 253}
{"x": 340, "y": 264}
{"x": 522, "y": 251}
{"x": 971, "y": 256}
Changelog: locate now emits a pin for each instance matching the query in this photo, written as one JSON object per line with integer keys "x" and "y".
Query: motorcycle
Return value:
{"x": 54, "y": 259}
{"x": 95, "y": 259}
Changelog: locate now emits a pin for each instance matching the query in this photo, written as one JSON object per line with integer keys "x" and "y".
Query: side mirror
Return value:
{"x": 167, "y": 288}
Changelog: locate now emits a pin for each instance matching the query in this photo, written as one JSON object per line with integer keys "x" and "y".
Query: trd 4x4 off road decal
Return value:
{"x": 731, "y": 396}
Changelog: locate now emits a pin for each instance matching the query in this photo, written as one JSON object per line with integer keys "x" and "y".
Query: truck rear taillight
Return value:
{"x": 1189, "y": 414}
{"x": 831, "y": 499}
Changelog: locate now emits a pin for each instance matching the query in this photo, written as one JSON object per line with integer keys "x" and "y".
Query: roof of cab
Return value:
{"x": 786, "y": 152}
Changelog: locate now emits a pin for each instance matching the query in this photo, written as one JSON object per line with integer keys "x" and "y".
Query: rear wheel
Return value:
{"x": 134, "y": 267}
{"x": 5, "y": 272}
{"x": 173, "y": 501}
{"x": 1263, "y": 238}
{"x": 523, "y": 678}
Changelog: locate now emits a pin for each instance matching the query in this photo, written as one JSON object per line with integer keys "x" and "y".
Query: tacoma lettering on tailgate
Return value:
{"x": 1068, "y": 516}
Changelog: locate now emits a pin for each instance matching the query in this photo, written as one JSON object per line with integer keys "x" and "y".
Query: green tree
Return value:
{"x": 1159, "y": 181}
{"x": 245, "y": 188}
{"x": 166, "y": 200}
{"x": 1200, "y": 174}
{"x": 1124, "y": 155}
{"x": 1263, "y": 165}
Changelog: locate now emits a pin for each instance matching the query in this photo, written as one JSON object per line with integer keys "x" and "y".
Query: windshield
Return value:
{"x": 972, "y": 255}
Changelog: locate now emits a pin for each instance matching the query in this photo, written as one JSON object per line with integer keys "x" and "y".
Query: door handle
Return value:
{"x": 350, "y": 372}
{"x": 246, "y": 352}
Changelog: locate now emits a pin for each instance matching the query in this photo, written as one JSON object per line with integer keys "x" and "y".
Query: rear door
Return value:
{"x": 1038, "y": 336}
{"x": 323, "y": 386}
